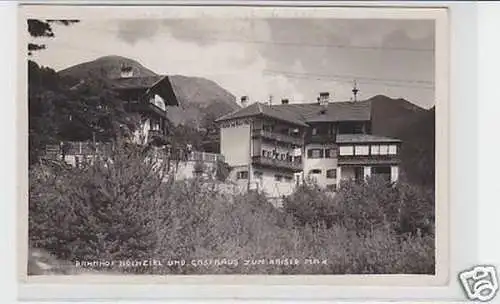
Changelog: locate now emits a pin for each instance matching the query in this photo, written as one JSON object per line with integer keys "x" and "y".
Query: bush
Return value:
{"x": 365, "y": 206}
{"x": 123, "y": 208}
{"x": 310, "y": 205}
{"x": 102, "y": 211}
{"x": 222, "y": 170}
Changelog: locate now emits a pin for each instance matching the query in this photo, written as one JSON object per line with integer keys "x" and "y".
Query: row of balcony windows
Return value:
{"x": 365, "y": 150}
{"x": 281, "y": 156}
{"x": 318, "y": 153}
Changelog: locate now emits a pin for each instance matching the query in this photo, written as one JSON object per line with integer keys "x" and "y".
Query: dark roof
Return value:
{"x": 334, "y": 111}
{"x": 160, "y": 85}
{"x": 303, "y": 113}
{"x": 364, "y": 138}
{"x": 135, "y": 82}
{"x": 257, "y": 108}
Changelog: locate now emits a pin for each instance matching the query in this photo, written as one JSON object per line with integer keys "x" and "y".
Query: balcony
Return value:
{"x": 347, "y": 160}
{"x": 285, "y": 138}
{"x": 145, "y": 107}
{"x": 277, "y": 163}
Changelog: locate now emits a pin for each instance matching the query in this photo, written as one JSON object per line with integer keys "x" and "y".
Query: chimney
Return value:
{"x": 284, "y": 101}
{"x": 244, "y": 101}
{"x": 324, "y": 98}
{"x": 126, "y": 71}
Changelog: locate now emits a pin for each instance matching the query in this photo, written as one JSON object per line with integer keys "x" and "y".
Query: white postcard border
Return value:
{"x": 443, "y": 110}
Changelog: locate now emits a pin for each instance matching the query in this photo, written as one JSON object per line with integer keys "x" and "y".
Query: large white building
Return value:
{"x": 274, "y": 147}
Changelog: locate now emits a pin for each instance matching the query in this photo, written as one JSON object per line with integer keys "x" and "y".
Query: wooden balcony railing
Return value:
{"x": 277, "y": 163}
{"x": 367, "y": 159}
{"x": 278, "y": 137}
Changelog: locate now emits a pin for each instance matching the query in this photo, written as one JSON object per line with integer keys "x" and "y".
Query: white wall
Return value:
{"x": 185, "y": 169}
{"x": 394, "y": 173}
{"x": 323, "y": 164}
{"x": 141, "y": 135}
{"x": 235, "y": 145}
{"x": 269, "y": 185}
{"x": 158, "y": 101}
{"x": 241, "y": 184}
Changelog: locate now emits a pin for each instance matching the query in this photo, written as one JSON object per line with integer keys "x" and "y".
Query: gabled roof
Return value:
{"x": 364, "y": 138}
{"x": 303, "y": 113}
{"x": 334, "y": 111}
{"x": 160, "y": 85}
{"x": 257, "y": 108}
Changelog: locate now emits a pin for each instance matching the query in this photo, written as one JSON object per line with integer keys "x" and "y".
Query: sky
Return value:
{"x": 266, "y": 58}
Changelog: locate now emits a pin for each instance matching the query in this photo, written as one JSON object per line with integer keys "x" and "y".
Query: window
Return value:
{"x": 361, "y": 150}
{"x": 393, "y": 149}
{"x": 242, "y": 175}
{"x": 315, "y": 171}
{"x": 288, "y": 178}
{"x": 331, "y": 173}
{"x": 155, "y": 125}
{"x": 346, "y": 150}
{"x": 257, "y": 174}
{"x": 330, "y": 153}
{"x": 384, "y": 149}
{"x": 315, "y": 153}
{"x": 375, "y": 150}
{"x": 278, "y": 178}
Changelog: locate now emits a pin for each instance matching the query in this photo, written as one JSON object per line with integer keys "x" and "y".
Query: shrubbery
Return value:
{"x": 121, "y": 209}
{"x": 365, "y": 206}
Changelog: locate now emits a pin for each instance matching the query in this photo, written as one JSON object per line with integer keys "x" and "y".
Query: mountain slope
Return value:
{"x": 199, "y": 97}
{"x": 389, "y": 115}
{"x": 107, "y": 66}
{"x": 415, "y": 126}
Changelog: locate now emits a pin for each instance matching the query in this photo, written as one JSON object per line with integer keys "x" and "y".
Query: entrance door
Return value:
{"x": 359, "y": 174}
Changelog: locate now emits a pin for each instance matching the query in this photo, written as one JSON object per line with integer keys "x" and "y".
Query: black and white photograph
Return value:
{"x": 264, "y": 144}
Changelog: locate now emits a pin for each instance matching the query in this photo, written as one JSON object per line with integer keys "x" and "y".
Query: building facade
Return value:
{"x": 148, "y": 96}
{"x": 275, "y": 147}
